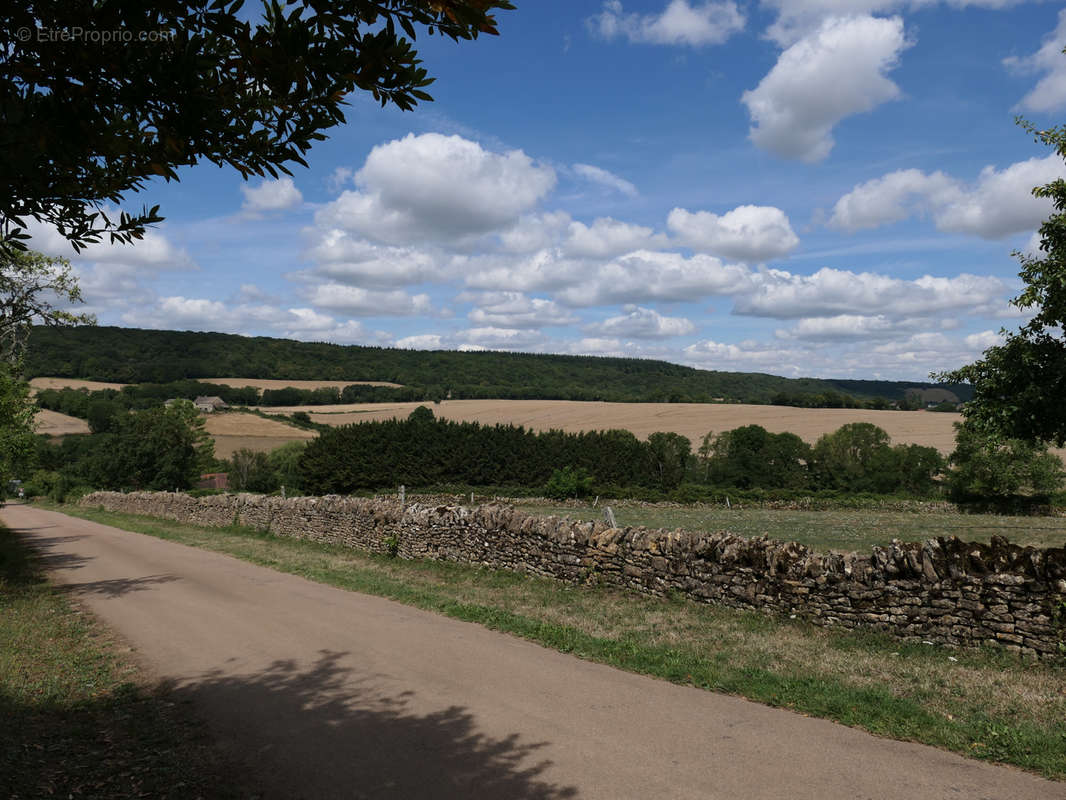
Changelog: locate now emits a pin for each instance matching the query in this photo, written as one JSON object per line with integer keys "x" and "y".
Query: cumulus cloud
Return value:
{"x": 195, "y": 313}
{"x": 359, "y": 302}
{"x": 834, "y": 72}
{"x": 751, "y": 234}
{"x": 903, "y": 356}
{"x": 437, "y": 188}
{"x": 680, "y": 23}
{"x": 534, "y": 232}
{"x": 268, "y": 196}
{"x": 999, "y": 203}
{"x": 646, "y": 275}
{"x": 856, "y": 326}
{"x": 493, "y": 338}
{"x": 607, "y": 237}
{"x": 1049, "y": 94}
{"x": 642, "y": 323}
{"x": 350, "y": 260}
{"x": 830, "y": 292}
{"x": 605, "y": 178}
{"x": 423, "y": 341}
{"x": 544, "y": 270}
{"x": 516, "y": 310}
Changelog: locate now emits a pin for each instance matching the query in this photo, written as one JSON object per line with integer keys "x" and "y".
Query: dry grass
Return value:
{"x": 689, "y": 419}
{"x": 264, "y": 383}
{"x": 72, "y": 383}
{"x": 52, "y": 423}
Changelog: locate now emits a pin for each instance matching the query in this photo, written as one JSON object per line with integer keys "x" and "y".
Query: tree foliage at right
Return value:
{"x": 1020, "y": 385}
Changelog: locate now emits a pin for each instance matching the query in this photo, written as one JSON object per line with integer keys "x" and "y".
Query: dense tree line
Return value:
{"x": 128, "y": 355}
{"x": 423, "y": 451}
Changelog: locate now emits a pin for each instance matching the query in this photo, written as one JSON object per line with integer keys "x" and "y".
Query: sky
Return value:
{"x": 824, "y": 188}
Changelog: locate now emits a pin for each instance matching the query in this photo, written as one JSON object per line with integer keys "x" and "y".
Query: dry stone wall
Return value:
{"x": 943, "y": 590}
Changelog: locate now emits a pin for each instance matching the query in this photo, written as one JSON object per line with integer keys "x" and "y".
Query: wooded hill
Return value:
{"x": 131, "y": 355}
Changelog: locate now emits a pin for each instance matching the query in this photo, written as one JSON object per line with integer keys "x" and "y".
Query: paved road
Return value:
{"x": 327, "y": 693}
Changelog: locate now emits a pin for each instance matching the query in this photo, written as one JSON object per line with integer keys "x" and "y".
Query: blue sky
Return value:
{"x": 824, "y": 188}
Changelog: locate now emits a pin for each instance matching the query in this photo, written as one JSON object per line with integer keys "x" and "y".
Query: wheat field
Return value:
{"x": 693, "y": 420}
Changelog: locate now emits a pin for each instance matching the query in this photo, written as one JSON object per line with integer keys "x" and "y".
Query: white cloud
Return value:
{"x": 154, "y": 251}
{"x": 891, "y": 198}
{"x": 195, "y": 313}
{"x": 543, "y": 270}
{"x": 680, "y": 23}
{"x": 534, "y": 232}
{"x": 1049, "y": 94}
{"x": 797, "y": 18}
{"x": 834, "y": 72}
{"x": 346, "y": 259}
{"x": 437, "y": 188}
{"x": 493, "y": 338}
{"x": 831, "y": 292}
{"x": 424, "y": 341}
{"x": 606, "y": 238}
{"x": 276, "y": 195}
{"x": 605, "y": 178}
{"x": 999, "y": 203}
{"x": 598, "y": 346}
{"x": 340, "y": 178}
{"x": 857, "y": 326}
{"x": 357, "y": 301}
{"x": 516, "y": 310}
{"x": 642, "y": 323}
{"x": 751, "y": 234}
{"x": 646, "y": 275}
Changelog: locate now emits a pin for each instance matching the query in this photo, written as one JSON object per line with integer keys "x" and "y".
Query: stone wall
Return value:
{"x": 942, "y": 590}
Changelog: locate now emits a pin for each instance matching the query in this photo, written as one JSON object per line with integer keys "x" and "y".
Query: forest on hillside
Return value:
{"x": 130, "y": 355}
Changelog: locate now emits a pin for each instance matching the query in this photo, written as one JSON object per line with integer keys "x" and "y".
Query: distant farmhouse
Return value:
{"x": 209, "y": 404}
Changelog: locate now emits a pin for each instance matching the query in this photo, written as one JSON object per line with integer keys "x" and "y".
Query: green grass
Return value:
{"x": 843, "y": 531}
{"x": 982, "y": 703}
{"x": 76, "y": 719}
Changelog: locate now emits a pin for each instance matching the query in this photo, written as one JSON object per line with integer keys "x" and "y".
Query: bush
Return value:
{"x": 988, "y": 469}
{"x": 569, "y": 482}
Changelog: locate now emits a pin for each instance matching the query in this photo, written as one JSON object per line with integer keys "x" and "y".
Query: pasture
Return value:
{"x": 841, "y": 531}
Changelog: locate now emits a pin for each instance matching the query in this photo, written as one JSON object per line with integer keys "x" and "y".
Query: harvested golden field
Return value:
{"x": 264, "y": 383}
{"x": 72, "y": 383}
{"x": 689, "y": 419}
{"x": 235, "y": 431}
{"x": 52, "y": 423}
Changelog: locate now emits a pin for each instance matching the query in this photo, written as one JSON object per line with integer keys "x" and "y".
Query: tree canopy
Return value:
{"x": 1019, "y": 385}
{"x": 99, "y": 97}
{"x": 31, "y": 285}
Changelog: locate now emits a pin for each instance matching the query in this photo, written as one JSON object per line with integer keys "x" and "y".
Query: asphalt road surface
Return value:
{"x": 324, "y": 693}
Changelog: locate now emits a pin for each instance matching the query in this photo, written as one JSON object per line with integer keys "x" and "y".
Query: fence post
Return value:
{"x": 609, "y": 516}
{"x": 403, "y": 495}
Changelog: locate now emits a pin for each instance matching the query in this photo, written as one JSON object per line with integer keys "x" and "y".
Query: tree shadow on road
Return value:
{"x": 46, "y": 554}
{"x": 321, "y": 732}
{"x": 116, "y": 587}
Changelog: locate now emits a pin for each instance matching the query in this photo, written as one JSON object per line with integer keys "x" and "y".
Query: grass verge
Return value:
{"x": 983, "y": 704}
{"x": 78, "y": 720}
